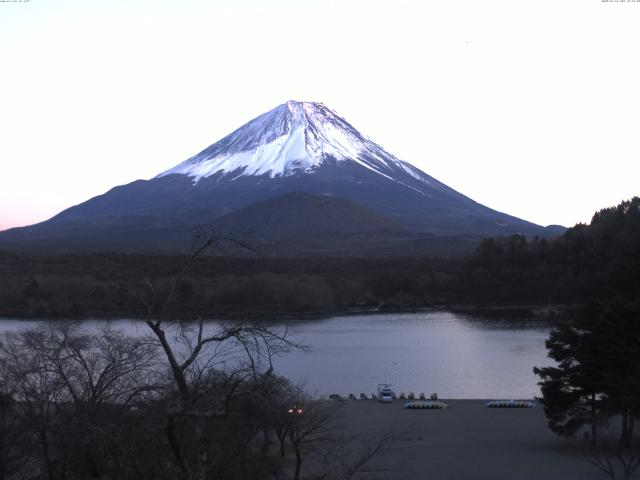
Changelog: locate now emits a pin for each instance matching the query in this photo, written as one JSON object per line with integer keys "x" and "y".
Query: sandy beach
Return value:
{"x": 466, "y": 441}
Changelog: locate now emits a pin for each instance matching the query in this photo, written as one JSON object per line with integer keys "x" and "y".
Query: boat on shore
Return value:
{"x": 510, "y": 404}
{"x": 385, "y": 393}
{"x": 426, "y": 405}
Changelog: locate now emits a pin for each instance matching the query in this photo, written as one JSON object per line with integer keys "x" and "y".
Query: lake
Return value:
{"x": 457, "y": 356}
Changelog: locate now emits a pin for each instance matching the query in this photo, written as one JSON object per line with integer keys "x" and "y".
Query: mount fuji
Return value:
{"x": 297, "y": 173}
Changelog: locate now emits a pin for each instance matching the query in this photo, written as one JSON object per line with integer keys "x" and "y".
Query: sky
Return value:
{"x": 528, "y": 107}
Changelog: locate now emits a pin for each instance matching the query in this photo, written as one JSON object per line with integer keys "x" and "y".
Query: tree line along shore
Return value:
{"x": 587, "y": 262}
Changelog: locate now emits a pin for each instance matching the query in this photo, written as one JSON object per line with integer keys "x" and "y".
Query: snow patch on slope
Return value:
{"x": 296, "y": 137}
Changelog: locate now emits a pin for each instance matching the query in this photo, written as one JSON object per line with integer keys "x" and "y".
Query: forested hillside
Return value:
{"x": 600, "y": 260}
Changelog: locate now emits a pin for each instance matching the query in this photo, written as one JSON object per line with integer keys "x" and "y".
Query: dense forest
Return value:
{"x": 599, "y": 260}
{"x": 595, "y": 261}
{"x": 592, "y": 390}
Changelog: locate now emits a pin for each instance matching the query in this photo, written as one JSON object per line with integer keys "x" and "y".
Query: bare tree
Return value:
{"x": 617, "y": 459}
{"x": 313, "y": 423}
{"x": 370, "y": 449}
{"x": 104, "y": 374}
{"x": 107, "y": 368}
{"x": 315, "y": 431}
{"x": 276, "y": 396}
{"x": 70, "y": 389}
{"x": 344, "y": 457}
{"x": 280, "y": 416}
{"x": 192, "y": 351}
{"x": 38, "y": 392}
{"x": 189, "y": 399}
{"x": 9, "y": 436}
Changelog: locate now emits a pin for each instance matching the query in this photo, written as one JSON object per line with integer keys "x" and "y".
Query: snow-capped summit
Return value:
{"x": 295, "y": 137}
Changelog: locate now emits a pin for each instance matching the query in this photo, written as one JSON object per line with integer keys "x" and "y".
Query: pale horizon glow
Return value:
{"x": 530, "y": 108}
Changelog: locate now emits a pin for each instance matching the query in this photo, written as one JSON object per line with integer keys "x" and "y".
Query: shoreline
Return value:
{"x": 541, "y": 312}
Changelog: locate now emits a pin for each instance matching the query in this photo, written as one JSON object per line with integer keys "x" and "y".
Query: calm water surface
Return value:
{"x": 454, "y": 355}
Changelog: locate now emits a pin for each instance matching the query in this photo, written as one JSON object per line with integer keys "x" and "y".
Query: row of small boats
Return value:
{"x": 386, "y": 395}
{"x": 383, "y": 395}
{"x": 511, "y": 404}
{"x": 428, "y": 404}
{"x": 423, "y": 403}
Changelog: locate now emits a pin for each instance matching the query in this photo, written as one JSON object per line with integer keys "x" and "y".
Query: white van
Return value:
{"x": 385, "y": 393}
